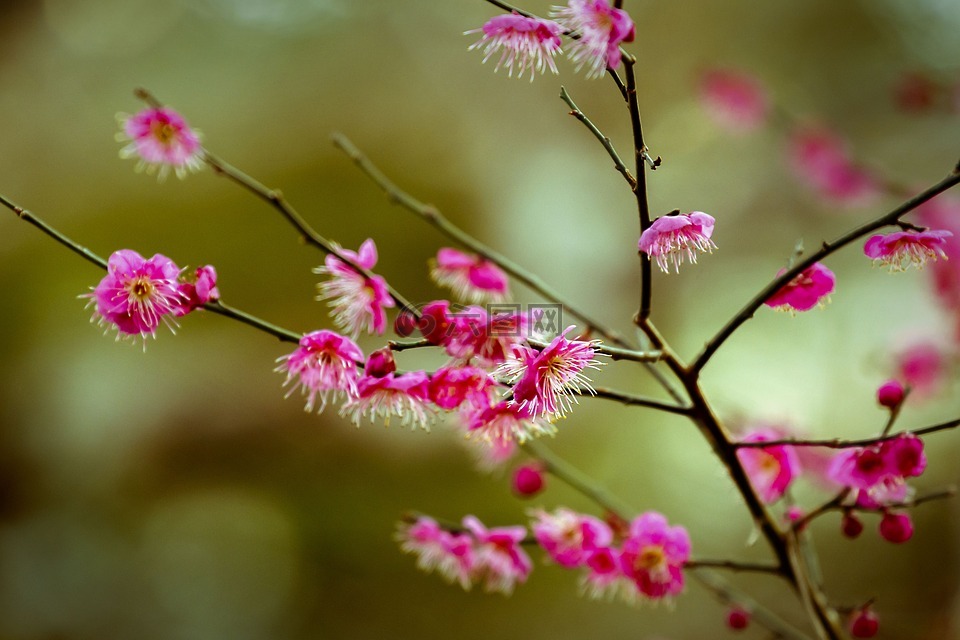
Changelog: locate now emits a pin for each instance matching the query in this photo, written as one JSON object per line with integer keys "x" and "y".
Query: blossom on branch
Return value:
{"x": 771, "y": 469}
{"x": 903, "y": 249}
{"x": 197, "y": 289}
{"x": 401, "y": 396}
{"x": 676, "y": 236}
{"x": 160, "y": 139}
{"x": 357, "y": 302}
{"x": 136, "y": 293}
{"x": 449, "y": 554}
{"x": 568, "y": 537}
{"x": 530, "y": 44}
{"x": 324, "y": 365}
{"x": 505, "y": 422}
{"x": 806, "y": 290}
{"x": 653, "y": 555}
{"x": 878, "y": 473}
{"x": 597, "y": 29}
{"x": 501, "y": 562}
{"x": 470, "y": 277}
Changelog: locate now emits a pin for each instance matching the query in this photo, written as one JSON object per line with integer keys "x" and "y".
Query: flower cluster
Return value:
{"x": 468, "y": 556}
{"x": 601, "y": 28}
{"x": 137, "y": 294}
{"x": 646, "y": 564}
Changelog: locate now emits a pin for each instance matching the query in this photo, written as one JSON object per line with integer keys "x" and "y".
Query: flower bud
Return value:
{"x": 528, "y": 480}
{"x": 864, "y": 623}
{"x": 890, "y": 394}
{"x": 738, "y": 618}
{"x": 850, "y": 525}
{"x": 380, "y": 364}
{"x": 896, "y": 528}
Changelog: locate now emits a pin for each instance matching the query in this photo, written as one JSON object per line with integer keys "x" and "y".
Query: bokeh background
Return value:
{"x": 174, "y": 493}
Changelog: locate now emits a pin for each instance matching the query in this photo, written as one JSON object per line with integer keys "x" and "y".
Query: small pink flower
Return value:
{"x": 896, "y": 527}
{"x": 733, "y": 99}
{"x": 506, "y": 422}
{"x": 530, "y": 44}
{"x": 653, "y": 555}
{"x": 358, "y": 303}
{"x": 547, "y": 383}
{"x": 470, "y": 277}
{"x": 324, "y": 365}
{"x": 603, "y": 577}
{"x": 136, "y": 293}
{"x": 501, "y": 562}
{"x": 601, "y": 27}
{"x": 453, "y": 385}
{"x": 807, "y": 290}
{"x": 490, "y": 454}
{"x": 570, "y": 537}
{"x": 401, "y": 396}
{"x": 160, "y": 137}
{"x": 771, "y": 469}
{"x": 450, "y": 555}
{"x": 673, "y": 237}
{"x": 903, "y": 249}
{"x": 890, "y": 394}
{"x": 821, "y": 160}
{"x": 197, "y": 289}
{"x": 878, "y": 472}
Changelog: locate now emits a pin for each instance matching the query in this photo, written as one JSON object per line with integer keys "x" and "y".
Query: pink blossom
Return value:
{"x": 570, "y": 537}
{"x": 358, "y": 303}
{"x": 771, "y": 469}
{"x": 653, "y": 555}
{"x": 548, "y": 382}
{"x": 470, "y": 277}
{"x": 160, "y": 138}
{"x": 450, "y": 555}
{"x": 324, "y": 365}
{"x": 506, "y": 422}
{"x": 601, "y": 27}
{"x": 603, "y": 577}
{"x": 528, "y": 480}
{"x": 490, "y": 453}
{"x": 528, "y": 43}
{"x": 451, "y": 386}
{"x": 878, "y": 472}
{"x": 734, "y": 99}
{"x": 890, "y": 394}
{"x": 380, "y": 363}
{"x": 136, "y": 294}
{"x": 923, "y": 367}
{"x": 821, "y": 160}
{"x": 903, "y": 249}
{"x": 807, "y": 289}
{"x": 197, "y": 289}
{"x": 401, "y": 396}
{"x": 673, "y": 237}
{"x": 501, "y": 562}
{"x": 434, "y": 322}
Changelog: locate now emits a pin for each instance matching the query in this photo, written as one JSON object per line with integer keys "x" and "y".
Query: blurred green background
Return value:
{"x": 174, "y": 494}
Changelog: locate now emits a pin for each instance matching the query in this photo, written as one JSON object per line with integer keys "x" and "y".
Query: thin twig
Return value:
{"x": 825, "y": 250}
{"x": 838, "y": 443}
{"x": 733, "y": 565}
{"x": 599, "y": 135}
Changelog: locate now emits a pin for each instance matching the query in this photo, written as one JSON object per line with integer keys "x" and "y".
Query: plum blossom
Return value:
{"x": 470, "y": 277}
{"x": 401, "y": 396}
{"x": 805, "y": 291}
{"x": 451, "y": 386}
{"x": 160, "y": 138}
{"x": 771, "y": 469}
{"x": 357, "y": 302}
{"x": 324, "y": 365}
{"x": 505, "y": 422}
{"x": 500, "y": 561}
{"x": 904, "y": 249}
{"x": 734, "y": 99}
{"x": 821, "y": 160}
{"x": 923, "y": 367}
{"x": 653, "y": 555}
{"x": 528, "y": 480}
{"x": 676, "y": 236}
{"x": 547, "y": 383}
{"x": 601, "y": 29}
{"x": 197, "y": 289}
{"x": 136, "y": 294}
{"x": 878, "y": 473}
{"x": 569, "y": 537}
{"x": 527, "y": 43}
{"x": 449, "y": 554}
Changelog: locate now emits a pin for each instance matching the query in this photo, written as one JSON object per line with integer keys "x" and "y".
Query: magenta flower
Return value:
{"x": 402, "y": 396}
{"x": 547, "y": 383}
{"x": 324, "y": 365}
{"x": 451, "y": 386}
{"x": 771, "y": 469}
{"x": 357, "y": 303}
{"x": 820, "y": 159}
{"x": 896, "y": 527}
{"x": 136, "y": 294}
{"x": 808, "y": 289}
{"x": 501, "y": 562}
{"x": 601, "y": 27}
{"x": 470, "y": 277}
{"x": 569, "y": 537}
{"x": 197, "y": 289}
{"x": 878, "y": 473}
{"x": 653, "y": 555}
{"x": 903, "y": 249}
{"x": 450, "y": 555}
{"x": 160, "y": 138}
{"x": 530, "y": 44}
{"x": 923, "y": 367}
{"x": 672, "y": 237}
{"x": 505, "y": 422}
{"x": 734, "y": 99}
{"x": 603, "y": 577}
